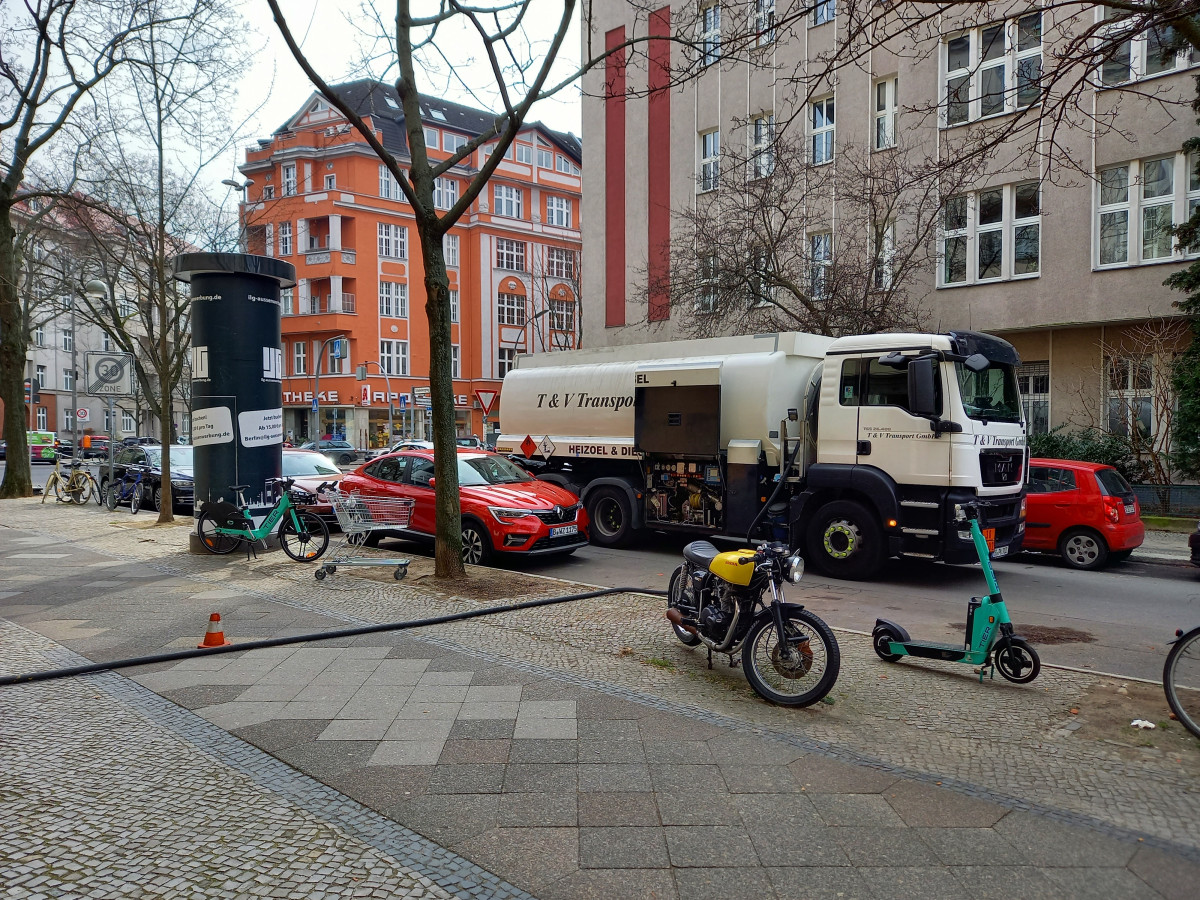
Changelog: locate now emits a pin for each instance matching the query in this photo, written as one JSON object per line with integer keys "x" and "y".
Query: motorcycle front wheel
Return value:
{"x": 798, "y": 671}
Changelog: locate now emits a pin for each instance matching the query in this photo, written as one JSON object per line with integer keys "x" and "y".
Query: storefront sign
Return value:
{"x": 306, "y": 397}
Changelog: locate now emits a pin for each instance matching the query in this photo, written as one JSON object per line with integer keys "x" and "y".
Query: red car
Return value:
{"x": 505, "y": 511}
{"x": 1086, "y": 512}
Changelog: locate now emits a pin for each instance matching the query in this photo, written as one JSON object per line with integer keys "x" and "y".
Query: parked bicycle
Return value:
{"x": 1181, "y": 679}
{"x": 78, "y": 487}
{"x": 127, "y": 489}
{"x": 303, "y": 535}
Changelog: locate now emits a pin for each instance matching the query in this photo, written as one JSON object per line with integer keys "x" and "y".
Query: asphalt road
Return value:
{"x": 1117, "y": 620}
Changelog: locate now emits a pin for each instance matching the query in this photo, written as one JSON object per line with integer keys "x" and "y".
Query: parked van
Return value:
{"x": 43, "y": 446}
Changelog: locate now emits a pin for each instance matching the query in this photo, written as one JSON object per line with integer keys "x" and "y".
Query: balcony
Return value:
{"x": 319, "y": 305}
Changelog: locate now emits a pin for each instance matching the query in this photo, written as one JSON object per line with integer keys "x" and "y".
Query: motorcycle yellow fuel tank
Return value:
{"x": 726, "y": 567}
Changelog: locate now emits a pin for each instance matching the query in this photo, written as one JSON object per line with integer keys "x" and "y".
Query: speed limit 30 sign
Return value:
{"x": 109, "y": 374}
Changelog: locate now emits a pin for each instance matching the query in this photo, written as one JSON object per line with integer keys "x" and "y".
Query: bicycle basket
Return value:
{"x": 225, "y": 514}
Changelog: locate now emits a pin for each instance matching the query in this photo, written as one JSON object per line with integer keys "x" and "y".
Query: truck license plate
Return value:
{"x": 563, "y": 530}
{"x": 999, "y": 552}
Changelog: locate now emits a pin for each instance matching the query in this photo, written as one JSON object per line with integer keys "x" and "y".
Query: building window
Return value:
{"x": 706, "y": 296}
{"x": 822, "y": 131}
{"x": 562, "y": 315}
{"x": 43, "y": 418}
{"x": 286, "y": 297}
{"x": 393, "y": 241}
{"x": 510, "y": 254}
{"x": 710, "y": 160}
{"x": 39, "y": 336}
{"x": 1153, "y": 52}
{"x": 1003, "y": 223}
{"x": 763, "y": 150}
{"x": 1137, "y": 205}
{"x": 445, "y": 193}
{"x": 128, "y": 424}
{"x": 285, "y": 238}
{"x": 1130, "y": 396}
{"x": 389, "y": 188}
{"x": 558, "y": 212}
{"x": 41, "y": 377}
{"x": 506, "y": 360}
{"x": 710, "y": 34}
{"x": 565, "y": 166}
{"x": 885, "y": 253}
{"x": 885, "y": 113}
{"x": 821, "y": 254}
{"x": 510, "y": 309}
{"x": 289, "y": 180}
{"x": 106, "y": 342}
{"x": 431, "y": 138}
{"x": 108, "y": 421}
{"x": 764, "y": 22}
{"x": 393, "y": 357}
{"x": 450, "y": 249}
{"x": 524, "y": 154}
{"x": 455, "y": 362}
{"x": 452, "y": 143}
{"x": 68, "y": 420}
{"x": 1034, "y": 381}
{"x": 824, "y": 11}
{"x": 993, "y": 70}
{"x": 68, "y": 338}
{"x": 337, "y": 365}
{"x": 507, "y": 201}
{"x": 125, "y": 307}
{"x": 453, "y": 305}
{"x": 393, "y": 299}
{"x": 545, "y": 158}
{"x": 300, "y": 358}
{"x": 330, "y": 182}
{"x": 560, "y": 263}
{"x": 268, "y": 192}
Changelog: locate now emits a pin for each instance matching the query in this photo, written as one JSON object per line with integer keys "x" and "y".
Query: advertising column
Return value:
{"x": 237, "y": 367}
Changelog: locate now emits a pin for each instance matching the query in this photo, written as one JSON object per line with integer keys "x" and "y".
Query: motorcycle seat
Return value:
{"x": 700, "y": 553}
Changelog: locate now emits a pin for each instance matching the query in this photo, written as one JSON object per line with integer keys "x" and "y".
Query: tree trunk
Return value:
{"x": 18, "y": 481}
{"x": 448, "y": 513}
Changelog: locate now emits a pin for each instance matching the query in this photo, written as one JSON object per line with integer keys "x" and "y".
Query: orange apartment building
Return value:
{"x": 319, "y": 198}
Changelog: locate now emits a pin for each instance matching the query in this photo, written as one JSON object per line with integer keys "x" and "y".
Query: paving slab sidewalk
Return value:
{"x": 554, "y": 781}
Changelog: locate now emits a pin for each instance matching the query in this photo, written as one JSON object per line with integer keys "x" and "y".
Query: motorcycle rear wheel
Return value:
{"x": 674, "y": 591}
{"x": 798, "y": 673}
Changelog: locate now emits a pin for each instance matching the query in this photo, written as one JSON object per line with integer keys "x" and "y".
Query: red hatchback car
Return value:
{"x": 1086, "y": 512}
{"x": 505, "y": 510}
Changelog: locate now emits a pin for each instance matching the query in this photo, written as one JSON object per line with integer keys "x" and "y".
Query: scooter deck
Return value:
{"x": 933, "y": 650}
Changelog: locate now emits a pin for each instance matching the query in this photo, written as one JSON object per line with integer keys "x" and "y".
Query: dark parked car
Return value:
{"x": 341, "y": 452}
{"x": 183, "y": 486}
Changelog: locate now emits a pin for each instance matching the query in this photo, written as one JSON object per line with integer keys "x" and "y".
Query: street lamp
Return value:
{"x": 98, "y": 290}
{"x": 361, "y": 375}
{"x": 244, "y": 187}
{"x": 521, "y": 337}
{"x": 316, "y": 407}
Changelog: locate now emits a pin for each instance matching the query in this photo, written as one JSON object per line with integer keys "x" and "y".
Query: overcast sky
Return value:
{"x": 331, "y": 43}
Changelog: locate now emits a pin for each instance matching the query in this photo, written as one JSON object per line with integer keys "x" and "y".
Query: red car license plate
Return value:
{"x": 564, "y": 529}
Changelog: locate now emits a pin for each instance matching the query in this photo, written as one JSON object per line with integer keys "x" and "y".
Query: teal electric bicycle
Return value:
{"x": 222, "y": 526}
{"x": 990, "y": 642}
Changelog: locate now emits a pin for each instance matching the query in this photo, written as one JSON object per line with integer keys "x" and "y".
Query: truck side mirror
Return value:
{"x": 922, "y": 387}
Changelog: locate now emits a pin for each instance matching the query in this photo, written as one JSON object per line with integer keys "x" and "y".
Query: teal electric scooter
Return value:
{"x": 990, "y": 642}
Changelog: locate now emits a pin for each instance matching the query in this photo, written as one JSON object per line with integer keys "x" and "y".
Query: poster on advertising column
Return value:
{"x": 260, "y": 427}
{"x": 212, "y": 425}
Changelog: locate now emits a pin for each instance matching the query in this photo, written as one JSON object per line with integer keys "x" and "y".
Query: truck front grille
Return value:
{"x": 1000, "y": 467}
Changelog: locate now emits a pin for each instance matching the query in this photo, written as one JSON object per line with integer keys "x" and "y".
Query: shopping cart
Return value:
{"x": 358, "y": 516}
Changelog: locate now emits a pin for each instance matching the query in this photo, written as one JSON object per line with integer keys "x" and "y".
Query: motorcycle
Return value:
{"x": 789, "y": 655}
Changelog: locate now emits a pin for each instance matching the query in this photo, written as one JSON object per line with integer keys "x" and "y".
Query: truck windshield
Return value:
{"x": 990, "y": 395}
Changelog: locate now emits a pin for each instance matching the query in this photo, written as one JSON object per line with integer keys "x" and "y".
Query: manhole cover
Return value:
{"x": 1046, "y": 634}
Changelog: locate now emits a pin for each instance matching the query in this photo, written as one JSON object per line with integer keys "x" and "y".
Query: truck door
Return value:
{"x": 889, "y": 436}
{"x": 837, "y": 417}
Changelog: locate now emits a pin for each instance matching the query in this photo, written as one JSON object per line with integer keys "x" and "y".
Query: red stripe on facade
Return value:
{"x": 614, "y": 178}
{"x": 658, "y": 168}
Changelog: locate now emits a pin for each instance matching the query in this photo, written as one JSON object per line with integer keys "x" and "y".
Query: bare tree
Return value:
{"x": 759, "y": 253}
{"x": 516, "y": 70}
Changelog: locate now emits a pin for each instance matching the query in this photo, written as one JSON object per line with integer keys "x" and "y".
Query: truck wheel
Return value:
{"x": 610, "y": 515}
{"x": 845, "y": 541}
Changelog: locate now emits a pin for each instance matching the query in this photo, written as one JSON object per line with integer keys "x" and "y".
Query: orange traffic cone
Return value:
{"x": 214, "y": 637}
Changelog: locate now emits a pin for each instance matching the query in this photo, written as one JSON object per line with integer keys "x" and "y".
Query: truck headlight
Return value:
{"x": 795, "y": 569}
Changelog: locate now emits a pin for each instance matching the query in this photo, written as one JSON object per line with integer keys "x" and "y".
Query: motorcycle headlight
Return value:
{"x": 795, "y": 569}
{"x": 503, "y": 514}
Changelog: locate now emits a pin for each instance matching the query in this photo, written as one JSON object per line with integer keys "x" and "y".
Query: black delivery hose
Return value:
{"x": 775, "y": 493}
{"x": 51, "y": 674}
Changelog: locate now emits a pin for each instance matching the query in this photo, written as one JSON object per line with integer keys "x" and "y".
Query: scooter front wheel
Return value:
{"x": 881, "y": 638}
{"x": 1017, "y": 661}
{"x": 800, "y": 669}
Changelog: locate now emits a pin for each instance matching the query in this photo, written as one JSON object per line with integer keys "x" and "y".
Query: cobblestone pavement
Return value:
{"x": 543, "y": 769}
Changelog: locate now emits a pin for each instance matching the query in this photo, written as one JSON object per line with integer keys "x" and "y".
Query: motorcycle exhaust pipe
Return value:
{"x": 675, "y": 617}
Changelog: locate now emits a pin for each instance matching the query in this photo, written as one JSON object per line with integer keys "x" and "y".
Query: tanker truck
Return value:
{"x": 854, "y": 449}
